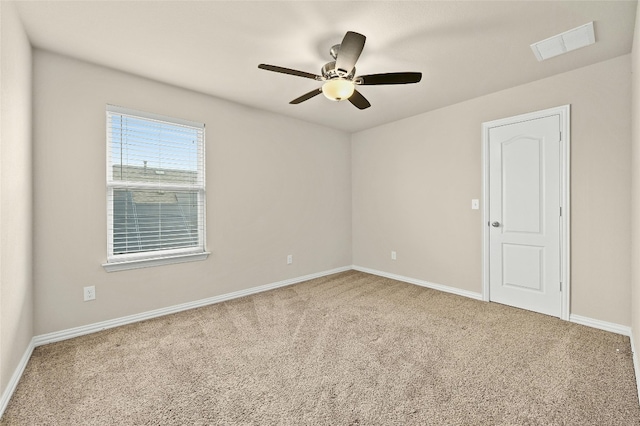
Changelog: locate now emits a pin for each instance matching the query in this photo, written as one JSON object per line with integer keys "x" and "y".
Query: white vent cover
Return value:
{"x": 566, "y": 42}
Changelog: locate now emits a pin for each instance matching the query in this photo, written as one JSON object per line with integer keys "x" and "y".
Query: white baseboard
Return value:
{"x": 602, "y": 325}
{"x": 421, "y": 283}
{"x": 70, "y": 333}
{"x": 614, "y": 328}
{"x": 15, "y": 378}
{"x": 636, "y": 365}
{"x": 92, "y": 328}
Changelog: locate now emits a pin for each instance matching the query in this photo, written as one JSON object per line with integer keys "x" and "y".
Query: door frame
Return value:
{"x": 564, "y": 112}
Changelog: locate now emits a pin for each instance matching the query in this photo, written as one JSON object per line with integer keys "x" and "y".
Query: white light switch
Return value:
{"x": 475, "y": 204}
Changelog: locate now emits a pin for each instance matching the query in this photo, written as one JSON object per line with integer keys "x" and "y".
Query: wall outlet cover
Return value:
{"x": 89, "y": 293}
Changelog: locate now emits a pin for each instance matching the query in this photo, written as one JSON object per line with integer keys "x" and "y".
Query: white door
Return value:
{"x": 524, "y": 214}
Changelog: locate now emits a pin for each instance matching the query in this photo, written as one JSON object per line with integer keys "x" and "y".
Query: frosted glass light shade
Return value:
{"x": 338, "y": 89}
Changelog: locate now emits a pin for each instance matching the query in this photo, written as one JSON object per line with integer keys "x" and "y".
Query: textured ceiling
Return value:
{"x": 463, "y": 49}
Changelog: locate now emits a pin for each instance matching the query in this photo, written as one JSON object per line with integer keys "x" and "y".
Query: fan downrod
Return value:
{"x": 334, "y": 51}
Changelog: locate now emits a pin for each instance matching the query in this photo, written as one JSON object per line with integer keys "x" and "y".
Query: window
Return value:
{"x": 155, "y": 190}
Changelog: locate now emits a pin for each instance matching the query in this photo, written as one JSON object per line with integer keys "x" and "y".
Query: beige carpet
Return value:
{"x": 348, "y": 349}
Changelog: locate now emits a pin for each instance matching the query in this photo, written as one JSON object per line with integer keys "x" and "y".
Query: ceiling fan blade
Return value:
{"x": 389, "y": 78}
{"x": 349, "y": 52}
{"x": 306, "y": 96}
{"x": 289, "y": 71}
{"x": 359, "y": 101}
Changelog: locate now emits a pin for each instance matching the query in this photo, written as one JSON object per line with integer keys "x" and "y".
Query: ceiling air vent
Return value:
{"x": 566, "y": 42}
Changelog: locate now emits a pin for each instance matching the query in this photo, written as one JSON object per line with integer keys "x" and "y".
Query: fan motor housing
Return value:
{"x": 329, "y": 72}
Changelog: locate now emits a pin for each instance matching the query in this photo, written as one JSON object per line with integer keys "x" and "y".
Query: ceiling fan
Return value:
{"x": 339, "y": 76}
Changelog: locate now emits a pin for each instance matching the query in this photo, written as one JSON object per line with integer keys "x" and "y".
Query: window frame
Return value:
{"x": 117, "y": 262}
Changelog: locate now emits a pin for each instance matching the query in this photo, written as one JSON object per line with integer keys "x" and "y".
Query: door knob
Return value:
{"x": 495, "y": 224}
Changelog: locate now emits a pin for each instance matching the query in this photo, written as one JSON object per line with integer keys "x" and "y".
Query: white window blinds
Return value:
{"x": 155, "y": 186}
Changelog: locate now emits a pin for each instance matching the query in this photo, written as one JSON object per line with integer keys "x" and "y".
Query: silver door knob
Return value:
{"x": 495, "y": 224}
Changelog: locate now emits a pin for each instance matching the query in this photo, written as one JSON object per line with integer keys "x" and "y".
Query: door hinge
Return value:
{"x": 560, "y": 211}
{"x": 560, "y": 285}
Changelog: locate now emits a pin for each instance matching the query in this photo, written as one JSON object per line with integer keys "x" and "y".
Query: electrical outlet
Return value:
{"x": 393, "y": 255}
{"x": 289, "y": 259}
{"x": 89, "y": 293}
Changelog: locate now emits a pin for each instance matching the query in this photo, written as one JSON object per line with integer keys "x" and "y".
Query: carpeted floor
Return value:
{"x": 348, "y": 349}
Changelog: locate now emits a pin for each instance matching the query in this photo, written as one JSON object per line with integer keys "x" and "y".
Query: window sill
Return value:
{"x": 156, "y": 261}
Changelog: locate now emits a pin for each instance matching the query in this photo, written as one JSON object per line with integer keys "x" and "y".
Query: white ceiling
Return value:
{"x": 464, "y": 49}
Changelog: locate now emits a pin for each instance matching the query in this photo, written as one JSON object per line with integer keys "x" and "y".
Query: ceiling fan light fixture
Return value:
{"x": 339, "y": 77}
{"x": 338, "y": 89}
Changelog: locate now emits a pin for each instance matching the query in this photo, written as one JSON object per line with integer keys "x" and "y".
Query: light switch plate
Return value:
{"x": 475, "y": 204}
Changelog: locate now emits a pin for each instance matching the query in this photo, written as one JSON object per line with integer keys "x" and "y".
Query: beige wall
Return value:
{"x": 275, "y": 186}
{"x": 16, "y": 286}
{"x": 635, "y": 185}
{"x": 413, "y": 181}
